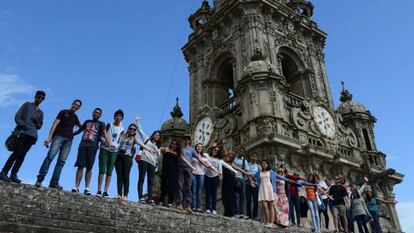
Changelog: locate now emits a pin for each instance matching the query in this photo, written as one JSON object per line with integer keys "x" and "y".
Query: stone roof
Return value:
{"x": 348, "y": 105}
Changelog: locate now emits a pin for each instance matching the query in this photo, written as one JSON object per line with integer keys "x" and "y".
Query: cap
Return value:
{"x": 187, "y": 136}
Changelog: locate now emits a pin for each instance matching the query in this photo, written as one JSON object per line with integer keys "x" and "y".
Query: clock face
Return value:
{"x": 324, "y": 121}
{"x": 203, "y": 131}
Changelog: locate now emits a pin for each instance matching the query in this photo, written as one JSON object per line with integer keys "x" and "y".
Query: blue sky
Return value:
{"x": 126, "y": 54}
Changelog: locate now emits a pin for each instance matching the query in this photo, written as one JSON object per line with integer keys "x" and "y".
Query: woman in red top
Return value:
{"x": 311, "y": 188}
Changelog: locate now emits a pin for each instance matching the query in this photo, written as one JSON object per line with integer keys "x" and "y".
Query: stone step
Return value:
{"x": 27, "y": 209}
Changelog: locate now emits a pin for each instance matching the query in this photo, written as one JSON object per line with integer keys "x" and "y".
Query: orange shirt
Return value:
{"x": 310, "y": 193}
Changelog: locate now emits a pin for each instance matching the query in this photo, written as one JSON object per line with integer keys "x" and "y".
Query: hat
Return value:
{"x": 187, "y": 136}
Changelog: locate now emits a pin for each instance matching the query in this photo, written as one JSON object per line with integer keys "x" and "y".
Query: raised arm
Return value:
{"x": 386, "y": 201}
{"x": 139, "y": 128}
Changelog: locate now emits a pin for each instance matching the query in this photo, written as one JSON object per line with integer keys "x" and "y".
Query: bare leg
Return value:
{"x": 346, "y": 224}
{"x": 88, "y": 176}
{"x": 271, "y": 208}
{"x": 265, "y": 211}
{"x": 107, "y": 183}
{"x": 79, "y": 174}
{"x": 100, "y": 179}
{"x": 335, "y": 220}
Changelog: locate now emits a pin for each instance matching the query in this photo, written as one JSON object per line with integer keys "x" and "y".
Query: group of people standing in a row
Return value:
{"x": 186, "y": 172}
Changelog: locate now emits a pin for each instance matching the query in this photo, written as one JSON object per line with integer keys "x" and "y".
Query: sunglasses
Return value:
{"x": 40, "y": 97}
{"x": 133, "y": 129}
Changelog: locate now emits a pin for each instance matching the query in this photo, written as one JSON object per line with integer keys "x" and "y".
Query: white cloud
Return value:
{"x": 406, "y": 215}
{"x": 12, "y": 89}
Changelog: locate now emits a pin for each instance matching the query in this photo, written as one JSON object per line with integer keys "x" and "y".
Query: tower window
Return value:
{"x": 366, "y": 139}
{"x": 292, "y": 75}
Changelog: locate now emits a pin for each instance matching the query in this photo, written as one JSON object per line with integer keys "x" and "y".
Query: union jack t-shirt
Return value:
{"x": 92, "y": 132}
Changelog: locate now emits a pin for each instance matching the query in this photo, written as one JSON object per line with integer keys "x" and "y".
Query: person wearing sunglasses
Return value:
{"x": 92, "y": 130}
{"x": 29, "y": 119}
{"x": 61, "y": 137}
{"x": 123, "y": 163}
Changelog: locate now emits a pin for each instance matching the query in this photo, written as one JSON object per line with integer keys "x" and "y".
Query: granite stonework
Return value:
{"x": 27, "y": 209}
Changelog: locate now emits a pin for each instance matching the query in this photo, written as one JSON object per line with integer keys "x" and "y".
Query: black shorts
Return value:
{"x": 86, "y": 156}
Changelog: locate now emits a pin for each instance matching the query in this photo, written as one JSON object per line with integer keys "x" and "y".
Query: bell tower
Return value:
{"x": 258, "y": 79}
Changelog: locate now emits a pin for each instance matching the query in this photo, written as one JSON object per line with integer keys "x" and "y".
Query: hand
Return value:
{"x": 223, "y": 141}
{"x": 137, "y": 119}
{"x": 47, "y": 142}
{"x": 193, "y": 169}
{"x": 366, "y": 179}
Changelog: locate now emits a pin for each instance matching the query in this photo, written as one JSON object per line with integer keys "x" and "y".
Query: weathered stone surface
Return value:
{"x": 26, "y": 209}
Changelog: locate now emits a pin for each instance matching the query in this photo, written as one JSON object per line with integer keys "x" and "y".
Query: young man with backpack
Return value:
{"x": 61, "y": 136}
{"x": 107, "y": 154}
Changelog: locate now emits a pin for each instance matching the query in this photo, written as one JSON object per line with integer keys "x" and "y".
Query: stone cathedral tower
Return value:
{"x": 258, "y": 79}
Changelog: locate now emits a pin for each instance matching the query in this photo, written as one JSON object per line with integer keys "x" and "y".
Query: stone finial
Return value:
{"x": 177, "y": 113}
{"x": 345, "y": 94}
{"x": 205, "y": 5}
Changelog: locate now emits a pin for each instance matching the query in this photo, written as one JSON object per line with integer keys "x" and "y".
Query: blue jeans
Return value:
{"x": 313, "y": 207}
{"x": 294, "y": 207}
{"x": 240, "y": 197}
{"x": 196, "y": 189}
{"x": 61, "y": 145}
{"x": 375, "y": 217}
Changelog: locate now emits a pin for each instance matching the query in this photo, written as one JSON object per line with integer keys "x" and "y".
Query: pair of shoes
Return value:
{"x": 188, "y": 209}
{"x": 151, "y": 202}
{"x": 179, "y": 207}
{"x": 214, "y": 212}
{"x": 160, "y": 203}
{"x": 125, "y": 198}
{"x": 142, "y": 201}
{"x": 170, "y": 205}
{"x": 87, "y": 192}
{"x": 55, "y": 186}
{"x": 199, "y": 210}
{"x": 239, "y": 216}
{"x": 105, "y": 194}
{"x": 15, "y": 179}
{"x": 246, "y": 217}
{"x": 208, "y": 212}
{"x": 75, "y": 190}
{"x": 4, "y": 177}
{"x": 99, "y": 193}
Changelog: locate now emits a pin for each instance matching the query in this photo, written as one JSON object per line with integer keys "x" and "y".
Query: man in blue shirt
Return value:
{"x": 183, "y": 199}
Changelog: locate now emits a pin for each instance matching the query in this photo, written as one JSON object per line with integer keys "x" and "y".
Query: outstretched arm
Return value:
{"x": 139, "y": 128}
{"x": 182, "y": 157}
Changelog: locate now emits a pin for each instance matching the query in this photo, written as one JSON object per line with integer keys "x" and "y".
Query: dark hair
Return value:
{"x": 42, "y": 93}
{"x": 119, "y": 112}
{"x": 268, "y": 164}
{"x": 132, "y": 124}
{"x": 77, "y": 100}
{"x": 99, "y": 109}
{"x": 178, "y": 150}
{"x": 157, "y": 143}
{"x": 312, "y": 179}
{"x": 210, "y": 152}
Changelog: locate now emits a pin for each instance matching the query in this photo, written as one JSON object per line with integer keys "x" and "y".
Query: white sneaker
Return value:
{"x": 208, "y": 212}
{"x": 214, "y": 212}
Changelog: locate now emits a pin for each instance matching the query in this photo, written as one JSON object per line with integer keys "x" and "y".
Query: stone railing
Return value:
{"x": 26, "y": 209}
{"x": 293, "y": 100}
{"x": 229, "y": 105}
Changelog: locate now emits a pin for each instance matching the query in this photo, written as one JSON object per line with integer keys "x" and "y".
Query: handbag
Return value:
{"x": 138, "y": 156}
{"x": 12, "y": 141}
